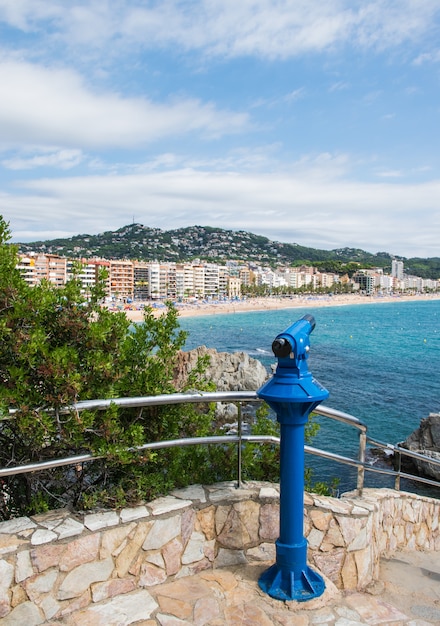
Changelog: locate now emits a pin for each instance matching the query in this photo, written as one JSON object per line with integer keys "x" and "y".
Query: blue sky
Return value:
{"x": 308, "y": 121}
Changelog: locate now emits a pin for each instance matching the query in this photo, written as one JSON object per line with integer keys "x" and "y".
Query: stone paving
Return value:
{"x": 408, "y": 593}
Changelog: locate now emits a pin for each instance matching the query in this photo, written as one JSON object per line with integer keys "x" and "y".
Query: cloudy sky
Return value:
{"x": 307, "y": 121}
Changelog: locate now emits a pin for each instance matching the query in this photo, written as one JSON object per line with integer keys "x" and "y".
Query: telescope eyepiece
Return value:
{"x": 281, "y": 347}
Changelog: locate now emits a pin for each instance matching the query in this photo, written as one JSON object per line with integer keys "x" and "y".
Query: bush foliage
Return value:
{"x": 58, "y": 347}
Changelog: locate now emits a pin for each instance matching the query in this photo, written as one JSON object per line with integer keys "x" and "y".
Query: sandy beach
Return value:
{"x": 274, "y": 303}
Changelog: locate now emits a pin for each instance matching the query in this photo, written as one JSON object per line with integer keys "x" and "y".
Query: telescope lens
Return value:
{"x": 281, "y": 347}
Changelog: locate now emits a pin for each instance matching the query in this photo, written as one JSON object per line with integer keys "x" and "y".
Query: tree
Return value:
{"x": 57, "y": 348}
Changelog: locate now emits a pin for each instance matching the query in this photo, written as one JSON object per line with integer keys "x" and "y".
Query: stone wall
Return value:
{"x": 54, "y": 565}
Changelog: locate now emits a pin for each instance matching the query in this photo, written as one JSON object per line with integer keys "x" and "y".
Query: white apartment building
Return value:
{"x": 326, "y": 280}
{"x": 397, "y": 269}
{"x": 26, "y": 265}
{"x": 211, "y": 281}
{"x": 184, "y": 281}
{"x": 199, "y": 281}
{"x": 38, "y": 267}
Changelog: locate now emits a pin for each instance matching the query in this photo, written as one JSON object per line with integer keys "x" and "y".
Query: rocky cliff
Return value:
{"x": 426, "y": 440}
{"x": 235, "y": 371}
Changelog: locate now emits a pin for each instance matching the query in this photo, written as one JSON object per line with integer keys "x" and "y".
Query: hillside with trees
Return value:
{"x": 136, "y": 241}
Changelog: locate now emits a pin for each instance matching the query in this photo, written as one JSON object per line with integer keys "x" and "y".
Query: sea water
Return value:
{"x": 379, "y": 362}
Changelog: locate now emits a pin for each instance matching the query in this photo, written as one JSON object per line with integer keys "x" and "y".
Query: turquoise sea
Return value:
{"x": 380, "y": 363}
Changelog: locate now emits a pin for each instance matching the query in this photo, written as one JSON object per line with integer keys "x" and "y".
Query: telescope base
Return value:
{"x": 283, "y": 584}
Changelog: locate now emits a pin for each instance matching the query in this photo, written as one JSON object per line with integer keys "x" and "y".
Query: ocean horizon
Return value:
{"x": 378, "y": 363}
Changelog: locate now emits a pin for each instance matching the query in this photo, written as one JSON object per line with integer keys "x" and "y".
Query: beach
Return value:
{"x": 273, "y": 303}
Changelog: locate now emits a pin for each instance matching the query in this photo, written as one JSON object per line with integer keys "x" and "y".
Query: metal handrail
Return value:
{"x": 238, "y": 397}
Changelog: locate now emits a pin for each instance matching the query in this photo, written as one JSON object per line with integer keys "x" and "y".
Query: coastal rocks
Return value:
{"x": 228, "y": 371}
{"x": 426, "y": 441}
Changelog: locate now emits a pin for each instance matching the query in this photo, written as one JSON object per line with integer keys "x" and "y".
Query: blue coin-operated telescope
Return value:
{"x": 292, "y": 393}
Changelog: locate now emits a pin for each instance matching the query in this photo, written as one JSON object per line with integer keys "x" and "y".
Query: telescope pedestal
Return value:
{"x": 293, "y": 394}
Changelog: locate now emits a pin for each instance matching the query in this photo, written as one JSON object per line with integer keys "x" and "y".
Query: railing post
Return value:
{"x": 397, "y": 457}
{"x": 239, "y": 444}
{"x": 361, "y": 470}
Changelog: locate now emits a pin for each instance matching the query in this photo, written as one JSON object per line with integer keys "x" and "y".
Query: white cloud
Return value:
{"x": 60, "y": 159}
{"x": 397, "y": 217}
{"x": 339, "y": 86}
{"x": 229, "y": 28}
{"x": 55, "y": 107}
{"x": 390, "y": 174}
{"x": 428, "y": 57}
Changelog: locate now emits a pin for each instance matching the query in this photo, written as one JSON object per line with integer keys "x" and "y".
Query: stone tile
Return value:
{"x": 175, "y": 607}
{"x": 193, "y": 492}
{"x": 189, "y": 519}
{"x": 97, "y": 521}
{"x": 224, "y": 579}
{"x": 168, "y": 620}
{"x": 19, "y": 595}
{"x": 269, "y": 522}
{"x": 23, "y": 567}
{"x": 6, "y": 576}
{"x": 331, "y": 504}
{"x": 171, "y": 555}
{"x": 269, "y": 492}
{"x": 315, "y": 538}
{"x": 194, "y": 549}
{"x": 47, "y": 556}
{"x": 320, "y": 519}
{"x": 161, "y": 532}
{"x": 227, "y": 558}
{"x": 133, "y": 513}
{"x": 209, "y": 550}
{"x": 112, "y": 540}
{"x": 69, "y": 528}
{"x": 350, "y": 528}
{"x": 10, "y": 543}
{"x": 128, "y": 554}
{"x": 41, "y": 536}
{"x": 206, "y": 610}
{"x": 112, "y": 588}
{"x": 263, "y": 552}
{"x": 40, "y": 584}
{"x": 51, "y": 520}
{"x": 322, "y": 616}
{"x": 80, "y": 551}
{"x": 227, "y": 494}
{"x": 75, "y": 604}
{"x": 167, "y": 504}
{"x": 155, "y": 558}
{"x": 374, "y": 611}
{"x": 330, "y": 564}
{"x": 120, "y": 611}
{"x": 206, "y": 521}
{"x": 151, "y": 575}
{"x": 80, "y": 579}
{"x": 240, "y": 530}
{"x": 50, "y": 606}
{"x": 188, "y": 589}
{"x": 246, "y": 615}
{"x": 16, "y": 526}
{"x": 24, "y": 614}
